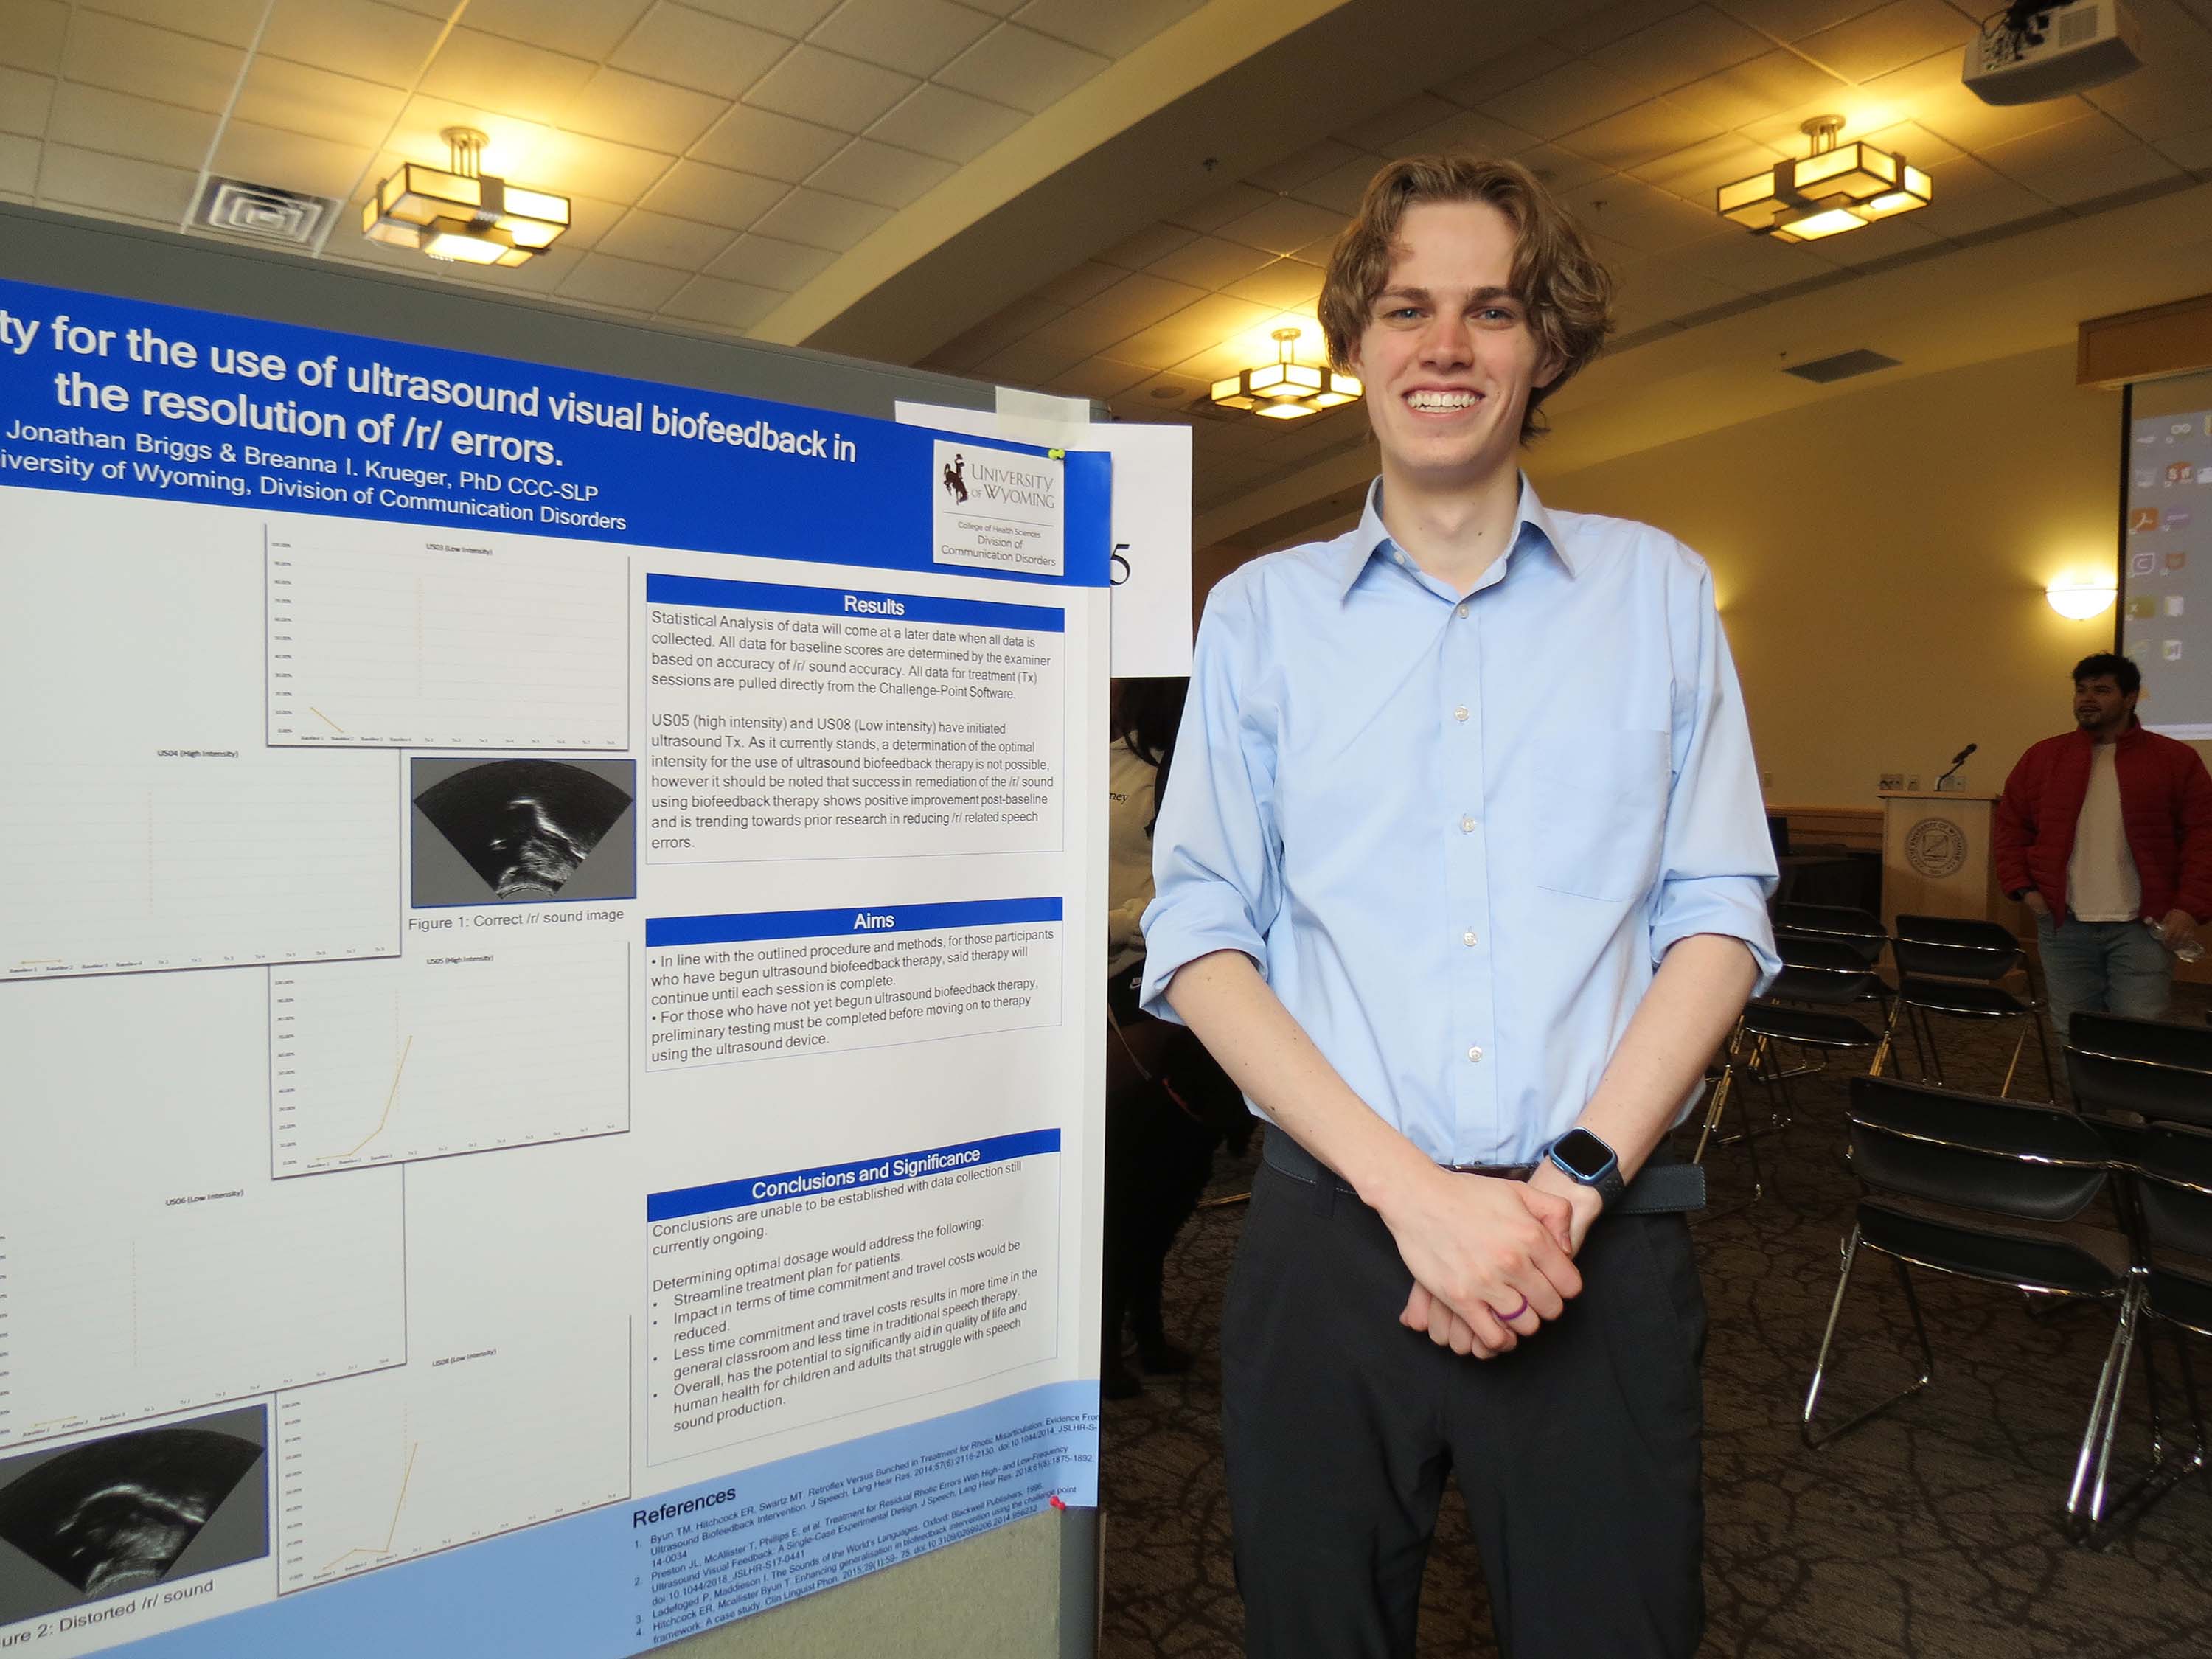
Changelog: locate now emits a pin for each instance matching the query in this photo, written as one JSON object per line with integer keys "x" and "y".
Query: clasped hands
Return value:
{"x": 1481, "y": 1248}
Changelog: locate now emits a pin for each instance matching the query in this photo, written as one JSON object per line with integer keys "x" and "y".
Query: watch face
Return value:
{"x": 1583, "y": 1153}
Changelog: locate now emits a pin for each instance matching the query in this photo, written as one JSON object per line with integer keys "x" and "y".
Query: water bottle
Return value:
{"x": 2190, "y": 949}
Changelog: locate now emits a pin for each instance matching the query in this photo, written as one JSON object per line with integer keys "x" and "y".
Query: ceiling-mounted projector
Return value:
{"x": 2038, "y": 51}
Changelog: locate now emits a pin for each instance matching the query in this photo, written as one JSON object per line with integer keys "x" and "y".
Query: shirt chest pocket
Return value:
{"x": 1601, "y": 811}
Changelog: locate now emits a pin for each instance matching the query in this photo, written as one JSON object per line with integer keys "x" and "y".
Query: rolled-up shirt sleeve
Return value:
{"x": 1217, "y": 863}
{"x": 1717, "y": 865}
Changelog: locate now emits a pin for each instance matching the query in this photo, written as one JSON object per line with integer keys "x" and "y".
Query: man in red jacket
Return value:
{"x": 2105, "y": 833}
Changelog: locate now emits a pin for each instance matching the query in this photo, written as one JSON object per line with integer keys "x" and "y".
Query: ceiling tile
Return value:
{"x": 829, "y": 88}
{"x": 233, "y": 23}
{"x": 882, "y": 173}
{"x": 291, "y": 160}
{"x": 1079, "y": 333}
{"x": 1515, "y": 68}
{"x": 1340, "y": 189}
{"x": 725, "y": 305}
{"x": 1464, "y": 130}
{"x": 1303, "y": 168}
{"x": 791, "y": 18}
{"x": 354, "y": 37}
{"x": 1751, "y": 265}
{"x": 1376, "y": 132}
{"x": 1283, "y": 226}
{"x": 1137, "y": 251}
{"x": 1210, "y": 213}
{"x": 32, "y": 38}
{"x": 1695, "y": 173}
{"x": 821, "y": 220}
{"x": 2092, "y": 177}
{"x": 1116, "y": 30}
{"x": 1287, "y": 284}
{"x": 1141, "y": 299}
{"x": 1635, "y": 214}
{"x": 997, "y": 331}
{"x": 589, "y": 219}
{"x": 25, "y": 101}
{"x": 1208, "y": 263}
{"x": 2155, "y": 102}
{"x": 948, "y": 125}
{"x": 1085, "y": 282}
{"x": 18, "y": 166}
{"x": 1972, "y": 200}
{"x": 2192, "y": 150}
{"x": 2027, "y": 159}
{"x": 1686, "y": 47}
{"x": 691, "y": 48}
{"x": 1951, "y": 112}
{"x": 1029, "y": 361}
{"x": 1878, "y": 244}
{"x": 764, "y": 262}
{"x": 92, "y": 118}
{"x": 713, "y": 196}
{"x": 512, "y": 152}
{"x": 1100, "y": 377}
{"x": 627, "y": 107}
{"x": 587, "y": 28}
{"x": 143, "y": 190}
{"x": 1599, "y": 26}
{"x": 603, "y": 279}
{"x": 916, "y": 37}
{"x": 1561, "y": 170}
{"x": 1197, "y": 327}
{"x": 301, "y": 98}
{"x": 1755, "y": 90}
{"x": 1639, "y": 135}
{"x": 1793, "y": 19}
{"x": 576, "y": 162}
{"x": 150, "y": 63}
{"x": 1573, "y": 95}
{"x": 1018, "y": 66}
{"x": 659, "y": 238}
{"x": 1904, "y": 32}
{"x": 475, "y": 68}
{"x": 774, "y": 146}
{"x": 1916, "y": 144}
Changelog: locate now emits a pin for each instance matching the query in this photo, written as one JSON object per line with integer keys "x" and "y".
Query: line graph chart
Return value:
{"x": 389, "y": 638}
{"x": 428, "y": 1057}
{"x": 454, "y": 1448}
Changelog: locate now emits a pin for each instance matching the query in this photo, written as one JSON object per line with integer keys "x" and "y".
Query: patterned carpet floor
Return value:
{"x": 1931, "y": 1532}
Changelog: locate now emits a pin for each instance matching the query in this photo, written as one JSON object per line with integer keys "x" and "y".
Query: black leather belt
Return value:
{"x": 1658, "y": 1189}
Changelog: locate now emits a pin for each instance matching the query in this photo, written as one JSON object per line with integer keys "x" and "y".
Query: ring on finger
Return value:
{"x": 1506, "y": 1318}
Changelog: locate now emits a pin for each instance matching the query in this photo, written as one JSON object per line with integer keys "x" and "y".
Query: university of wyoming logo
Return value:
{"x": 956, "y": 480}
{"x": 1937, "y": 847}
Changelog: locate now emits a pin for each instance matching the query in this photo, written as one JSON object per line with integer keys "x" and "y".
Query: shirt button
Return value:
{"x": 1468, "y": 937}
{"x": 1460, "y": 714}
{"x": 1466, "y": 826}
{"x": 1474, "y": 1054}
{"x": 1461, "y": 608}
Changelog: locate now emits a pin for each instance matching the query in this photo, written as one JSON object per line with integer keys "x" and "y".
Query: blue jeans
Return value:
{"x": 2103, "y": 967}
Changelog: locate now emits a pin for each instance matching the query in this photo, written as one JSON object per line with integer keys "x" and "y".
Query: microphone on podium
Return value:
{"x": 1957, "y": 760}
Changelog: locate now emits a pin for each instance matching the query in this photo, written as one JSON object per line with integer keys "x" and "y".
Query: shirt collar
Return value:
{"x": 1371, "y": 536}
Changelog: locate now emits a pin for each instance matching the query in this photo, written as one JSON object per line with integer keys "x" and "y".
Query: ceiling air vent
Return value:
{"x": 262, "y": 212}
{"x": 1841, "y": 366}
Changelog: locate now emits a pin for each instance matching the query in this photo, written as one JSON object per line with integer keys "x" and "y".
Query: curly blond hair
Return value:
{"x": 1568, "y": 294}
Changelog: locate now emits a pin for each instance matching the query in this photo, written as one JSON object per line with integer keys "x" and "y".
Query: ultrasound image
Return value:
{"x": 525, "y": 826}
{"x": 115, "y": 1515}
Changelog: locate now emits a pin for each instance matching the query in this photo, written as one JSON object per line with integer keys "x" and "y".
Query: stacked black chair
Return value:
{"x": 1949, "y": 966}
{"x": 2147, "y": 1086}
{"x": 1823, "y": 976}
{"x": 1990, "y": 1190}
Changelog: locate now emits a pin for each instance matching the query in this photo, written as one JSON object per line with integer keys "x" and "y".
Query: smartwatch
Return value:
{"x": 1589, "y": 1162}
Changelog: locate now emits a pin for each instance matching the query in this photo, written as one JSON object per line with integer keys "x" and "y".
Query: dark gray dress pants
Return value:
{"x": 1578, "y": 1452}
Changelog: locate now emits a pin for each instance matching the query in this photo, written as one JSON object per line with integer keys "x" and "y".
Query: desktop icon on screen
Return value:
{"x": 2141, "y": 520}
{"x": 2142, "y": 606}
{"x": 2143, "y": 564}
{"x": 2178, "y": 519}
{"x": 2177, "y": 561}
{"x": 2180, "y": 472}
{"x": 2170, "y": 650}
{"x": 2173, "y": 605}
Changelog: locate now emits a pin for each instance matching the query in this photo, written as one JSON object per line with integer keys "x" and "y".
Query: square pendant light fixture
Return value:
{"x": 460, "y": 214}
{"x": 1839, "y": 187}
{"x": 1285, "y": 389}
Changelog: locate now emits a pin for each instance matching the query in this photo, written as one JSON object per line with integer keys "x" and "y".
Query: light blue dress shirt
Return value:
{"x": 1457, "y": 832}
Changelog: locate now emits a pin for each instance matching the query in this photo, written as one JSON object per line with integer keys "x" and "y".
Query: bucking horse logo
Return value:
{"x": 955, "y": 485}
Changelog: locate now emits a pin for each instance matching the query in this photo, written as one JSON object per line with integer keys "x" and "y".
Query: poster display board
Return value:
{"x": 547, "y": 936}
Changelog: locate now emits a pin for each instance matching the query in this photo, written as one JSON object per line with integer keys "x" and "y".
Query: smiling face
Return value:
{"x": 2100, "y": 707}
{"x": 1446, "y": 351}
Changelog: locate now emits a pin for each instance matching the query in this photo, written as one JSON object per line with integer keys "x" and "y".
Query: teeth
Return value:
{"x": 1440, "y": 399}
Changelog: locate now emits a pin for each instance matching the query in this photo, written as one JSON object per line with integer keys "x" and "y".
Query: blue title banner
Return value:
{"x": 713, "y": 592}
{"x": 119, "y": 397}
{"x": 843, "y": 1177}
{"x": 750, "y": 926}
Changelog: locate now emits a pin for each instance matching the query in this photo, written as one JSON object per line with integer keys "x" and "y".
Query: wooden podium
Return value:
{"x": 1935, "y": 858}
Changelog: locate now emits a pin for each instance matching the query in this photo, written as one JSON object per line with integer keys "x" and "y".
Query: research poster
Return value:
{"x": 547, "y": 943}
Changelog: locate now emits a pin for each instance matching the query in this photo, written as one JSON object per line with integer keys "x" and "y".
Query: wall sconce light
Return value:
{"x": 2078, "y": 601}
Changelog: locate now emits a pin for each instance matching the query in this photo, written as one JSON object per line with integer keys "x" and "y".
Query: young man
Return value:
{"x": 2100, "y": 830}
{"x": 1463, "y": 866}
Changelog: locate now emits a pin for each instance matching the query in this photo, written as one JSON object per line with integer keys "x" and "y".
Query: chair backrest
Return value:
{"x": 2006, "y": 1157}
{"x": 1821, "y": 968}
{"x": 2153, "y": 1067}
{"x": 1858, "y": 929}
{"x": 1951, "y": 947}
